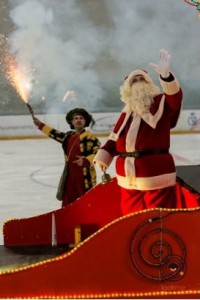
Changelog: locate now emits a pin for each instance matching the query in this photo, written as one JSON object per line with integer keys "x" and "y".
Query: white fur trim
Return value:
{"x": 132, "y": 133}
{"x": 147, "y": 183}
{"x": 103, "y": 158}
{"x": 152, "y": 120}
{"x": 139, "y": 72}
{"x": 129, "y": 166}
{"x": 114, "y": 136}
{"x": 171, "y": 87}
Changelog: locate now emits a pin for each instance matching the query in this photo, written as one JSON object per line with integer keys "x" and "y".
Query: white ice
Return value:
{"x": 30, "y": 171}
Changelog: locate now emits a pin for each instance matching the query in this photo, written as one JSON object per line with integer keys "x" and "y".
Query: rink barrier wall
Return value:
{"x": 22, "y": 126}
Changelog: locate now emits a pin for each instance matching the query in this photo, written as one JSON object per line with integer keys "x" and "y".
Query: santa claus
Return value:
{"x": 145, "y": 169}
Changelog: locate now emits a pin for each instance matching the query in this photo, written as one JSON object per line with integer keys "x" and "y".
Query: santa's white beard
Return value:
{"x": 140, "y": 97}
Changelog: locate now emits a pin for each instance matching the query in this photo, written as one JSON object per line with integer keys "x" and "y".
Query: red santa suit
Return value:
{"x": 145, "y": 169}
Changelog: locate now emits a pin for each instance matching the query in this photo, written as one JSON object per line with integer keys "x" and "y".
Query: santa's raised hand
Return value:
{"x": 162, "y": 67}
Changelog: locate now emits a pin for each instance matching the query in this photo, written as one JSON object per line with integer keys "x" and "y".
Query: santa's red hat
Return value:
{"x": 138, "y": 72}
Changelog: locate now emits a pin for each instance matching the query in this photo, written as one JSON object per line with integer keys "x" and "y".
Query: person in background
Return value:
{"x": 145, "y": 169}
{"x": 80, "y": 147}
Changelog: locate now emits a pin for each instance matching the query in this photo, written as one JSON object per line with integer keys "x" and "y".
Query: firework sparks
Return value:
{"x": 18, "y": 76}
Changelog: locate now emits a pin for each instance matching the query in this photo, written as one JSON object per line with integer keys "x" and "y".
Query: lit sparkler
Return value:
{"x": 19, "y": 78}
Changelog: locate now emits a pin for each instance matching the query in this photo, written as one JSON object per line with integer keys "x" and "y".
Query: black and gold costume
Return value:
{"x": 75, "y": 180}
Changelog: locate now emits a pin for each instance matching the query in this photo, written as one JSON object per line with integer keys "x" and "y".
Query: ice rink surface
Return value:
{"x": 31, "y": 168}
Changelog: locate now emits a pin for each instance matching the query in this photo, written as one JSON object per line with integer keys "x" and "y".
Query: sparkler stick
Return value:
{"x": 30, "y": 110}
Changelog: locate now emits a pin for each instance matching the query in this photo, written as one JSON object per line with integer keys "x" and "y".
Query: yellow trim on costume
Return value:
{"x": 84, "y": 134}
{"x": 46, "y": 129}
{"x": 90, "y": 158}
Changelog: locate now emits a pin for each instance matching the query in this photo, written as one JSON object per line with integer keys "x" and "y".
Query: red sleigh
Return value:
{"x": 149, "y": 254}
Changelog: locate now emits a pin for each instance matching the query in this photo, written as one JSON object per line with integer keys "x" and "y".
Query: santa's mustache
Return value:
{"x": 140, "y": 96}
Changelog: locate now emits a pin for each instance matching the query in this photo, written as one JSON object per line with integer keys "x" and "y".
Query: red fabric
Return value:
{"x": 135, "y": 200}
{"x": 141, "y": 136}
{"x": 119, "y": 122}
{"x": 172, "y": 197}
{"x": 150, "y": 138}
{"x": 75, "y": 187}
{"x": 186, "y": 198}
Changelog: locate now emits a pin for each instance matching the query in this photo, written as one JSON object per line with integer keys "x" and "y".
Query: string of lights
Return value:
{"x": 195, "y": 3}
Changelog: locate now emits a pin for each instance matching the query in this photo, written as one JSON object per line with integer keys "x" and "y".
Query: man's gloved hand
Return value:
{"x": 162, "y": 67}
{"x": 36, "y": 121}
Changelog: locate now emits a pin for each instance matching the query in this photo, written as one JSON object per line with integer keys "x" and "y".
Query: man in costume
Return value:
{"x": 145, "y": 169}
{"x": 80, "y": 147}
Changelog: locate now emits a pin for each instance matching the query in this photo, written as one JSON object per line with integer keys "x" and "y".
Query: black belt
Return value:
{"x": 141, "y": 153}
